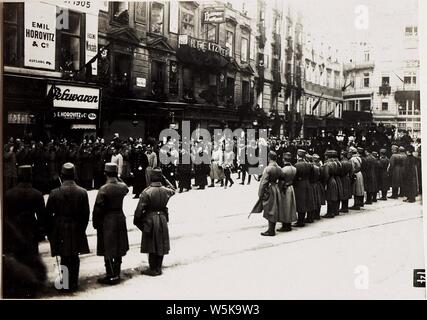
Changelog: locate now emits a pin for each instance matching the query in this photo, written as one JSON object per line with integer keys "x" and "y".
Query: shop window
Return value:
{"x": 173, "y": 77}
{"x": 11, "y": 34}
{"x": 187, "y": 21}
{"x": 157, "y": 18}
{"x": 120, "y": 12}
{"x": 157, "y": 78}
{"x": 229, "y": 43}
{"x": 365, "y": 105}
{"x": 244, "y": 50}
{"x": 384, "y": 106}
{"x": 71, "y": 45}
{"x": 407, "y": 80}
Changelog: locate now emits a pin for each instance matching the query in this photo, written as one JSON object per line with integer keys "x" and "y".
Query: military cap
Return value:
{"x": 156, "y": 175}
{"x": 394, "y": 147}
{"x": 272, "y": 155}
{"x": 330, "y": 153}
{"x": 375, "y": 154}
{"x": 309, "y": 157}
{"x": 25, "y": 171}
{"x": 111, "y": 167}
{"x": 360, "y": 150}
{"x": 301, "y": 152}
{"x": 68, "y": 169}
{"x": 352, "y": 150}
{"x": 315, "y": 157}
{"x": 401, "y": 149}
{"x": 287, "y": 156}
{"x": 383, "y": 151}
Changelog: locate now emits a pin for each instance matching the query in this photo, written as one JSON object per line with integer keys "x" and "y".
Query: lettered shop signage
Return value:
{"x": 202, "y": 45}
{"x": 74, "y": 97}
{"x": 39, "y": 35}
{"x": 92, "y": 40}
{"x": 91, "y": 7}
{"x": 213, "y": 15}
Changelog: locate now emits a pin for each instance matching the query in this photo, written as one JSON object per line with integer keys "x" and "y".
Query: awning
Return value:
{"x": 83, "y": 126}
{"x": 403, "y": 96}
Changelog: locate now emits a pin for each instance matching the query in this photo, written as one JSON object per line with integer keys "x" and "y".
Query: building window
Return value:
{"x": 10, "y": 33}
{"x": 120, "y": 12}
{"x": 122, "y": 70}
{"x": 385, "y": 81}
{"x": 365, "y": 105}
{"x": 187, "y": 83}
{"x": 411, "y": 31}
{"x": 173, "y": 77}
{"x": 71, "y": 43}
{"x": 328, "y": 77}
{"x": 244, "y": 50}
{"x": 262, "y": 60}
{"x": 384, "y": 106}
{"x": 229, "y": 43}
{"x": 230, "y": 90}
{"x": 366, "y": 80}
{"x": 337, "y": 80}
{"x": 407, "y": 80}
{"x": 187, "y": 21}
{"x": 157, "y": 18}
{"x": 210, "y": 32}
{"x": 245, "y": 92}
{"x": 157, "y": 78}
{"x": 367, "y": 56}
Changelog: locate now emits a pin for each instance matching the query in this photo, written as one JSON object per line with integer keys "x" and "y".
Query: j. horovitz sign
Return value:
{"x": 74, "y": 97}
{"x": 39, "y": 35}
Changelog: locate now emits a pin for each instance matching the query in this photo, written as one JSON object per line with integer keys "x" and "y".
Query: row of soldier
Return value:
{"x": 64, "y": 220}
{"x": 296, "y": 192}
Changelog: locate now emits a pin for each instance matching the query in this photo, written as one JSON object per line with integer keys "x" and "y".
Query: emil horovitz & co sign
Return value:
{"x": 202, "y": 45}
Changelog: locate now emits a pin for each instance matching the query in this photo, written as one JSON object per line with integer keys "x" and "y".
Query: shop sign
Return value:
{"x": 75, "y": 115}
{"x": 141, "y": 82}
{"x": 213, "y": 15}
{"x": 19, "y": 118}
{"x": 92, "y": 41}
{"x": 202, "y": 45}
{"x": 39, "y": 35}
{"x": 74, "y": 97}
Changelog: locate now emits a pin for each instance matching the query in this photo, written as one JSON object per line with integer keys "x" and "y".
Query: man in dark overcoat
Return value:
{"x": 303, "y": 191}
{"x": 139, "y": 164}
{"x": 110, "y": 224}
{"x": 370, "y": 177}
{"x": 383, "y": 176}
{"x": 270, "y": 196}
{"x": 24, "y": 207}
{"x": 395, "y": 170}
{"x": 332, "y": 193}
{"x": 67, "y": 211}
{"x": 410, "y": 182}
{"x": 151, "y": 217}
{"x": 346, "y": 172}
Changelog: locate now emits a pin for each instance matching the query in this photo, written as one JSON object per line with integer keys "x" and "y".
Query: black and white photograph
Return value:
{"x": 213, "y": 150}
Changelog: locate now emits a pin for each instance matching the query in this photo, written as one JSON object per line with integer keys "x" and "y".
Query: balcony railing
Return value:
{"x": 385, "y": 90}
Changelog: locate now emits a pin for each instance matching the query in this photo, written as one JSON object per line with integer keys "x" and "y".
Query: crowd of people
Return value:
{"x": 299, "y": 178}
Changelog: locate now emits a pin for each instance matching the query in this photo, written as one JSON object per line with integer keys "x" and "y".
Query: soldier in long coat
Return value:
{"x": 396, "y": 171}
{"x": 377, "y": 175}
{"x": 346, "y": 172}
{"x": 383, "y": 176}
{"x": 358, "y": 187}
{"x": 139, "y": 164}
{"x": 270, "y": 195}
{"x": 110, "y": 224}
{"x": 303, "y": 191}
{"x": 67, "y": 211}
{"x": 370, "y": 177}
{"x": 152, "y": 217}
{"x": 331, "y": 193}
{"x": 25, "y": 209}
{"x": 410, "y": 182}
{"x": 287, "y": 212}
{"x": 319, "y": 188}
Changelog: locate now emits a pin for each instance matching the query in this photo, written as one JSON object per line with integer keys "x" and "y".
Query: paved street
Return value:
{"x": 218, "y": 253}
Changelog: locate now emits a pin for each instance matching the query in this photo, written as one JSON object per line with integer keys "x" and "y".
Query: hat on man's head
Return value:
{"x": 156, "y": 175}
{"x": 272, "y": 156}
{"x": 287, "y": 156}
{"x": 111, "y": 168}
{"x": 330, "y": 153}
{"x": 352, "y": 150}
{"x": 25, "y": 172}
{"x": 301, "y": 153}
{"x": 315, "y": 157}
{"x": 309, "y": 157}
{"x": 374, "y": 153}
{"x": 383, "y": 151}
{"x": 360, "y": 150}
{"x": 68, "y": 169}
{"x": 401, "y": 149}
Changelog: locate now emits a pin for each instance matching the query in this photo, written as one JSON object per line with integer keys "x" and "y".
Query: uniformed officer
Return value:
{"x": 68, "y": 215}
{"x": 287, "y": 213}
{"x": 346, "y": 172}
{"x": 151, "y": 217}
{"x": 303, "y": 191}
{"x": 370, "y": 177}
{"x": 110, "y": 223}
{"x": 270, "y": 195}
{"x": 332, "y": 193}
{"x": 384, "y": 179}
{"x": 318, "y": 185}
